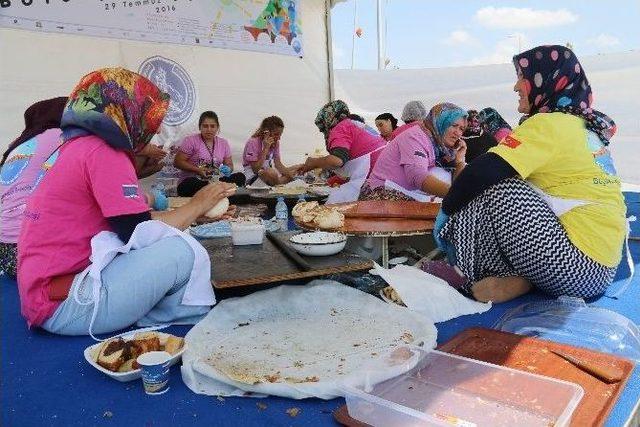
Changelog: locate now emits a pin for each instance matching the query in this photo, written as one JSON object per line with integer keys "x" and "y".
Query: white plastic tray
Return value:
{"x": 131, "y": 375}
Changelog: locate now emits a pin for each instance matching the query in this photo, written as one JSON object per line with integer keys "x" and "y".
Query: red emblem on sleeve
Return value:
{"x": 510, "y": 142}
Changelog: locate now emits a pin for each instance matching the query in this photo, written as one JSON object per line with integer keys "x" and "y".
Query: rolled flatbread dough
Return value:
{"x": 219, "y": 209}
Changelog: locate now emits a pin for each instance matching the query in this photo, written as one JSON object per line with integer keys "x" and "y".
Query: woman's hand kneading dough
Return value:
{"x": 212, "y": 199}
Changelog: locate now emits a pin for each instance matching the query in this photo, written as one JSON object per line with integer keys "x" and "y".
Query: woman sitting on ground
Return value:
{"x": 204, "y": 154}
{"x": 261, "y": 156}
{"x": 23, "y": 166}
{"x": 422, "y": 158}
{"x": 111, "y": 114}
{"x": 544, "y": 208}
{"x": 386, "y": 124}
{"x": 477, "y": 139}
{"x": 493, "y": 123}
{"x": 352, "y": 150}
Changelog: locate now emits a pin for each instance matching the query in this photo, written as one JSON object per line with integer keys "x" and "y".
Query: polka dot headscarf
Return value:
{"x": 556, "y": 82}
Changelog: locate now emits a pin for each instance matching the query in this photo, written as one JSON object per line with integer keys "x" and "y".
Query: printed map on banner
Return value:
{"x": 261, "y": 25}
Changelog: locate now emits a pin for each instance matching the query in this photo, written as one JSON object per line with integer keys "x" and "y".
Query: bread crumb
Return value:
{"x": 107, "y": 414}
{"x": 293, "y": 412}
{"x": 261, "y": 406}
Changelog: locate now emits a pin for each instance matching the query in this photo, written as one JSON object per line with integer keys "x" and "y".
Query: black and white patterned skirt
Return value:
{"x": 509, "y": 230}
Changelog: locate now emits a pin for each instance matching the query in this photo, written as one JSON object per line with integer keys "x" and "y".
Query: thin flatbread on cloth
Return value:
{"x": 429, "y": 295}
{"x": 298, "y": 341}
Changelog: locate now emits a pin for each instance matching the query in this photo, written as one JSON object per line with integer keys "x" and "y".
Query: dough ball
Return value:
{"x": 219, "y": 209}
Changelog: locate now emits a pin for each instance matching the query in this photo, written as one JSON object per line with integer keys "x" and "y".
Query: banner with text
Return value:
{"x": 271, "y": 26}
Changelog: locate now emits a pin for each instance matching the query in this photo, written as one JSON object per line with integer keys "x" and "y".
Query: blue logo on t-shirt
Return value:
{"x": 171, "y": 78}
{"x": 17, "y": 161}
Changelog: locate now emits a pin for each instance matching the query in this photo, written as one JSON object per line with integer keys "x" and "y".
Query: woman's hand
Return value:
{"x": 153, "y": 152}
{"x": 461, "y": 152}
{"x": 204, "y": 172}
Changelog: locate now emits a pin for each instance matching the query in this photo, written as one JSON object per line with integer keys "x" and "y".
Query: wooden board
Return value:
{"x": 239, "y": 266}
{"x": 533, "y": 355}
{"x": 381, "y": 227}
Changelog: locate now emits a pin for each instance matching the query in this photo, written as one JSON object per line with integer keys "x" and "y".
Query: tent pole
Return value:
{"x": 381, "y": 36}
{"x": 329, "y": 48}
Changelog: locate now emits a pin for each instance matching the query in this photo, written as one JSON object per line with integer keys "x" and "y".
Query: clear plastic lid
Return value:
{"x": 571, "y": 321}
{"x": 440, "y": 389}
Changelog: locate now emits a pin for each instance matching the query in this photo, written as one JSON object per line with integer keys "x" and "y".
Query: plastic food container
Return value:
{"x": 441, "y": 389}
{"x": 571, "y": 321}
{"x": 247, "y": 233}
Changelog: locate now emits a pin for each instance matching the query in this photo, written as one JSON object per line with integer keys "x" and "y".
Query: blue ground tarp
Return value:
{"x": 46, "y": 381}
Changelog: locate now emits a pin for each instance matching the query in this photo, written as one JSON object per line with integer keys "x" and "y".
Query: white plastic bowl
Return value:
{"x": 318, "y": 243}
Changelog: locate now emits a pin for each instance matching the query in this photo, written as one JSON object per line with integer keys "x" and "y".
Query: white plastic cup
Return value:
{"x": 155, "y": 371}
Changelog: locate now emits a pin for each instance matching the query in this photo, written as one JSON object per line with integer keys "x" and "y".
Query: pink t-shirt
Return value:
{"x": 90, "y": 182}
{"x": 402, "y": 128}
{"x": 354, "y": 137}
{"x": 253, "y": 149}
{"x": 198, "y": 152}
{"x": 20, "y": 175}
{"x": 407, "y": 160}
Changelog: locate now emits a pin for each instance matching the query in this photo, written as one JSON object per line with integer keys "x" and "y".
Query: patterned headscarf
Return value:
{"x": 556, "y": 82}
{"x": 492, "y": 121}
{"x": 330, "y": 115}
{"x": 474, "y": 126}
{"x": 122, "y": 107}
{"x": 440, "y": 118}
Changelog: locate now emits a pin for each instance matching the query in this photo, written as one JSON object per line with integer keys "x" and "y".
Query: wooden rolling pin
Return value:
{"x": 289, "y": 252}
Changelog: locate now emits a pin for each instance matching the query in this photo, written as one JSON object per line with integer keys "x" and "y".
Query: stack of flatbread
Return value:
{"x": 323, "y": 217}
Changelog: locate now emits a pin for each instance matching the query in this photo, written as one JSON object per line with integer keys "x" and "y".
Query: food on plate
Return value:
{"x": 324, "y": 217}
{"x": 392, "y": 295}
{"x": 288, "y": 191}
{"x": 119, "y": 355}
{"x": 219, "y": 209}
{"x": 303, "y": 207}
{"x": 329, "y": 219}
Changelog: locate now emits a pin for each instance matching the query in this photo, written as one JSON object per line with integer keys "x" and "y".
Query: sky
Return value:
{"x": 433, "y": 34}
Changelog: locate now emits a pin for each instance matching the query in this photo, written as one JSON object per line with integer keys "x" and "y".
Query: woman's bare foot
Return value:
{"x": 500, "y": 289}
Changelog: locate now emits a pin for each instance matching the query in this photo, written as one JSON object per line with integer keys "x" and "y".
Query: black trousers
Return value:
{"x": 190, "y": 186}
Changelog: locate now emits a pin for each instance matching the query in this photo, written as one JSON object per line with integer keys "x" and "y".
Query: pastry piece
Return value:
{"x": 146, "y": 341}
{"x": 303, "y": 208}
{"x": 112, "y": 354}
{"x": 173, "y": 345}
{"x": 329, "y": 219}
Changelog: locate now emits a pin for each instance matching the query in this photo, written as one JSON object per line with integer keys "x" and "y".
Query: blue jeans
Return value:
{"x": 144, "y": 286}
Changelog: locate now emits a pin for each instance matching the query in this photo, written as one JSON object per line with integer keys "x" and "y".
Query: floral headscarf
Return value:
{"x": 330, "y": 115}
{"x": 122, "y": 107}
{"x": 556, "y": 82}
{"x": 440, "y": 117}
{"x": 492, "y": 121}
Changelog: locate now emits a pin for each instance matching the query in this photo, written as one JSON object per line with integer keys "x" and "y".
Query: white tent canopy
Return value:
{"x": 615, "y": 79}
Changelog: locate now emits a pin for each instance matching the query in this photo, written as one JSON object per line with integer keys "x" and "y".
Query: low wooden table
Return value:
{"x": 250, "y": 265}
{"x": 384, "y": 228}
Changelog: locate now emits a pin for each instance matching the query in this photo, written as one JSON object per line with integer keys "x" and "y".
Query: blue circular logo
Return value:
{"x": 171, "y": 78}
